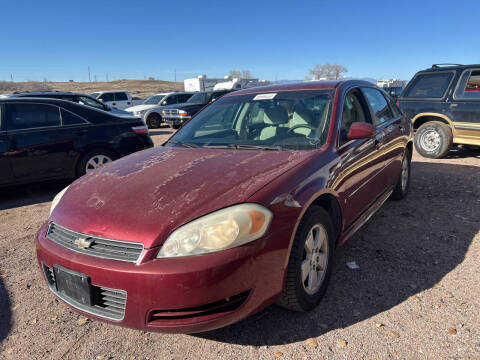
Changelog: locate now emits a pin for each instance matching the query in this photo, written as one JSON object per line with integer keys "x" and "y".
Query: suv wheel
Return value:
{"x": 310, "y": 262}
{"x": 93, "y": 160}
{"x": 153, "y": 121}
{"x": 433, "y": 139}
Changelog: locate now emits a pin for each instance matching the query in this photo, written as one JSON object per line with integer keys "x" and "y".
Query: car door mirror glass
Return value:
{"x": 361, "y": 130}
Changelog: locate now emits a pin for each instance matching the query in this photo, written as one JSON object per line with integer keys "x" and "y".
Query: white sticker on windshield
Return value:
{"x": 265, "y": 96}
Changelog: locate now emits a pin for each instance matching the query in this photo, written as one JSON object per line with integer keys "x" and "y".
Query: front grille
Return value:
{"x": 108, "y": 303}
{"x": 170, "y": 111}
{"x": 104, "y": 248}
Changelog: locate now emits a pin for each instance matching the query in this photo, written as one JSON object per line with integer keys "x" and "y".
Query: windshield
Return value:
{"x": 198, "y": 98}
{"x": 85, "y": 100}
{"x": 154, "y": 100}
{"x": 94, "y": 95}
{"x": 285, "y": 120}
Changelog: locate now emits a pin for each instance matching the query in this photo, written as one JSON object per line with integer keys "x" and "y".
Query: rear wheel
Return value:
{"x": 94, "y": 159}
{"x": 401, "y": 189}
{"x": 310, "y": 263}
{"x": 153, "y": 121}
{"x": 433, "y": 139}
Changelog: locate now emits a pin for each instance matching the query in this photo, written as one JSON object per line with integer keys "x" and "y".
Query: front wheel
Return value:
{"x": 401, "y": 189}
{"x": 433, "y": 139}
{"x": 153, "y": 121}
{"x": 310, "y": 263}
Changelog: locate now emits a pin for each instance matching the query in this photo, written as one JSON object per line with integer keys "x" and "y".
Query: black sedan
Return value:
{"x": 43, "y": 139}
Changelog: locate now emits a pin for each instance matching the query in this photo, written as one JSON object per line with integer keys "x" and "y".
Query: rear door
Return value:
{"x": 38, "y": 149}
{"x": 464, "y": 108}
{"x": 6, "y": 175}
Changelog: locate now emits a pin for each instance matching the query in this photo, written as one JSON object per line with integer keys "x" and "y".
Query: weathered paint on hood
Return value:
{"x": 144, "y": 196}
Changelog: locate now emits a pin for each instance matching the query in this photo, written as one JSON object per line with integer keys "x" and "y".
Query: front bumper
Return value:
{"x": 176, "y": 120}
{"x": 190, "y": 294}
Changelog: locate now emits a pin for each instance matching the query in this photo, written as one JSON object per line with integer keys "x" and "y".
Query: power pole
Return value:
{"x": 89, "y": 79}
{"x": 175, "y": 80}
{"x": 95, "y": 77}
{"x": 106, "y": 75}
{"x": 11, "y": 77}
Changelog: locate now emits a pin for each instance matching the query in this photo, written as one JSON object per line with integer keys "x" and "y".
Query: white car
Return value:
{"x": 151, "y": 109}
{"x": 118, "y": 99}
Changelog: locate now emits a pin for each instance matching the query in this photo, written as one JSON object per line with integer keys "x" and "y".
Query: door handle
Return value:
{"x": 114, "y": 103}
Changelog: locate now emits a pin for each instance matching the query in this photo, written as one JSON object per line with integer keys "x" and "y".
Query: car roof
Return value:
{"x": 303, "y": 85}
{"x": 447, "y": 66}
{"x": 39, "y": 93}
{"x": 107, "y": 91}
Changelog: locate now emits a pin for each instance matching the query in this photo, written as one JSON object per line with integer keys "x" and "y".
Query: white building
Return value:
{"x": 202, "y": 83}
{"x": 391, "y": 83}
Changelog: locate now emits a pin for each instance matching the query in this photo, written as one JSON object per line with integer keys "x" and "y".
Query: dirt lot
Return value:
{"x": 138, "y": 88}
{"x": 416, "y": 294}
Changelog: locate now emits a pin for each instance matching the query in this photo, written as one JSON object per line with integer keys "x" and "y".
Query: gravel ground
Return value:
{"x": 416, "y": 294}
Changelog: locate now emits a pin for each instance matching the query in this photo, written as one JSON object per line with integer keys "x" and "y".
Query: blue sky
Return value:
{"x": 58, "y": 40}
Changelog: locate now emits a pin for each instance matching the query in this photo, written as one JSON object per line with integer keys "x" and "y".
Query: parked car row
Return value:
{"x": 242, "y": 207}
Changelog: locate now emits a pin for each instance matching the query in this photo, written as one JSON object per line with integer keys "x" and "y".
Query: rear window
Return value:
{"x": 69, "y": 118}
{"x": 432, "y": 85}
{"x": 27, "y": 116}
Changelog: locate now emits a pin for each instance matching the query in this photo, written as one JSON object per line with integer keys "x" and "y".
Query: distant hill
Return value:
{"x": 374, "y": 81}
{"x": 138, "y": 88}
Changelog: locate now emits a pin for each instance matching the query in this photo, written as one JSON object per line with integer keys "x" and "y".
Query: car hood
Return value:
{"x": 140, "y": 107}
{"x": 145, "y": 196}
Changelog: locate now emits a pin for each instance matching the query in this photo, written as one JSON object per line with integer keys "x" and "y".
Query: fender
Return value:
{"x": 434, "y": 114}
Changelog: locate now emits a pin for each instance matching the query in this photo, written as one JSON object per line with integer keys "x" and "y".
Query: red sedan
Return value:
{"x": 242, "y": 207}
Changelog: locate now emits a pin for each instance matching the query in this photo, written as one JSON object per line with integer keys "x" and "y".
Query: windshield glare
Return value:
{"x": 287, "y": 120}
{"x": 198, "y": 98}
{"x": 91, "y": 102}
{"x": 153, "y": 100}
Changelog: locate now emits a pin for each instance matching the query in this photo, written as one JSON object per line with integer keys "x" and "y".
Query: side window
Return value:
{"x": 69, "y": 118}
{"x": 172, "y": 99}
{"x": 431, "y": 85}
{"x": 27, "y": 116}
{"x": 107, "y": 97}
{"x": 121, "y": 96}
{"x": 1, "y": 119}
{"x": 469, "y": 86}
{"x": 379, "y": 105}
{"x": 184, "y": 97}
{"x": 353, "y": 111}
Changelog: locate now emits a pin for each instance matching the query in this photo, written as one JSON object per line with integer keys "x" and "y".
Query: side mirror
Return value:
{"x": 164, "y": 102}
{"x": 361, "y": 130}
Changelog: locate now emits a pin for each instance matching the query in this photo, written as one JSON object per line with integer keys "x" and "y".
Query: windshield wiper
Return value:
{"x": 244, "y": 146}
{"x": 183, "y": 144}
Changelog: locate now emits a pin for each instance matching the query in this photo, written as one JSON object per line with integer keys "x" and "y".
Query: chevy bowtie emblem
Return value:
{"x": 83, "y": 243}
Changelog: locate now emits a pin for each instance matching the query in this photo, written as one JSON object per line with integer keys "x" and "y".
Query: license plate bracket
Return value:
{"x": 74, "y": 285}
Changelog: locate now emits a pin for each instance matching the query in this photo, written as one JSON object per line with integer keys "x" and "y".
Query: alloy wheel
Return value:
{"x": 96, "y": 161}
{"x": 315, "y": 259}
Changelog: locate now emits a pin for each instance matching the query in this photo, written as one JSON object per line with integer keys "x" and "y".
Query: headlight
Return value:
{"x": 182, "y": 113}
{"x": 220, "y": 230}
{"x": 57, "y": 199}
{"x": 139, "y": 113}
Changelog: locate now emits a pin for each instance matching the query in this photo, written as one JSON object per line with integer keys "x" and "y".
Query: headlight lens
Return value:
{"x": 139, "y": 113}
{"x": 182, "y": 113}
{"x": 220, "y": 230}
{"x": 57, "y": 199}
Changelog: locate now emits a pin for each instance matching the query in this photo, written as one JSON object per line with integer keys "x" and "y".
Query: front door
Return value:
{"x": 464, "y": 108}
{"x": 356, "y": 179}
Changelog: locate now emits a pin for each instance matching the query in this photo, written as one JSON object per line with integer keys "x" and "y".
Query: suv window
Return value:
{"x": 183, "y": 97}
{"x": 121, "y": 96}
{"x": 216, "y": 95}
{"x": 432, "y": 85}
{"x": 353, "y": 111}
{"x": 107, "y": 97}
{"x": 469, "y": 85}
{"x": 379, "y": 105}
{"x": 27, "y": 116}
{"x": 172, "y": 99}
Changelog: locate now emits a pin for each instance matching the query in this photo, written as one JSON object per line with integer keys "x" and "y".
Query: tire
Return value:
{"x": 433, "y": 139}
{"x": 153, "y": 121}
{"x": 403, "y": 182}
{"x": 98, "y": 156}
{"x": 297, "y": 294}
{"x": 176, "y": 127}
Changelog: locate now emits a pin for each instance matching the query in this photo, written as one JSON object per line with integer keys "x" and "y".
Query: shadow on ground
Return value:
{"x": 463, "y": 151}
{"x": 22, "y": 195}
{"x": 5, "y": 312}
{"x": 407, "y": 247}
